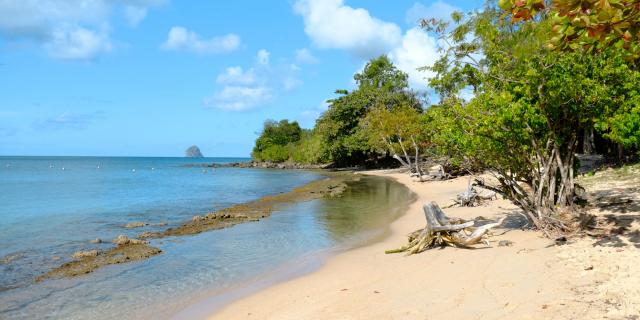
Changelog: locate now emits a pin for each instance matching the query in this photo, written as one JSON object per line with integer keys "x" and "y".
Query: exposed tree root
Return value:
{"x": 443, "y": 231}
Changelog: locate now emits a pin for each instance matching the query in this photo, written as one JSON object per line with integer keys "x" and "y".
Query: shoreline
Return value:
{"x": 203, "y": 305}
{"x": 365, "y": 283}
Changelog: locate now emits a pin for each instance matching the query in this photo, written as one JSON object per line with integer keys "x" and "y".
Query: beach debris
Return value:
{"x": 561, "y": 240}
{"x": 471, "y": 197}
{"x": 505, "y": 243}
{"x": 441, "y": 230}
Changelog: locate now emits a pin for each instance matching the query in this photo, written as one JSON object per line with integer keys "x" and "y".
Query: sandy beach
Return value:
{"x": 366, "y": 283}
{"x": 532, "y": 279}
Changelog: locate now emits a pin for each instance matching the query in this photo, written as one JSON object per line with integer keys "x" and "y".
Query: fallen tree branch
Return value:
{"x": 440, "y": 232}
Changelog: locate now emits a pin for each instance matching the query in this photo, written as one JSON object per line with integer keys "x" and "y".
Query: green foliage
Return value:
{"x": 529, "y": 106}
{"x": 272, "y": 143}
{"x": 584, "y": 24}
{"x": 309, "y": 150}
{"x": 380, "y": 83}
{"x": 398, "y": 131}
{"x": 274, "y": 153}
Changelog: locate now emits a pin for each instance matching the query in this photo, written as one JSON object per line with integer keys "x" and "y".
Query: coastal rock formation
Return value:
{"x": 124, "y": 240}
{"x": 88, "y": 261}
{"x": 131, "y": 249}
{"x": 11, "y": 257}
{"x": 193, "y": 152}
{"x": 264, "y": 165}
{"x": 136, "y": 224}
{"x": 84, "y": 254}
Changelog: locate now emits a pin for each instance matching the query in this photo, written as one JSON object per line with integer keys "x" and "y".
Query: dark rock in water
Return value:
{"x": 193, "y": 152}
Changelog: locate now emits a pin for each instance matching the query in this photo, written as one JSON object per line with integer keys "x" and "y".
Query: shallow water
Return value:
{"x": 48, "y": 212}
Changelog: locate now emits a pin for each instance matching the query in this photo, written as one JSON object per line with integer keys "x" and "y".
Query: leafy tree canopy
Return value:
{"x": 585, "y": 24}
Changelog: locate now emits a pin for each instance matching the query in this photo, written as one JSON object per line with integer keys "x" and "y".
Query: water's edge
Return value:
{"x": 216, "y": 300}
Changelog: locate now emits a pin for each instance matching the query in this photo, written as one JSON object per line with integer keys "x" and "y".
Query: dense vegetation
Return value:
{"x": 534, "y": 102}
{"x": 339, "y": 135}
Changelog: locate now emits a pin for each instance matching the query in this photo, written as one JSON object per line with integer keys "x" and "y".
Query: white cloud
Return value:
{"x": 69, "y": 120}
{"x": 438, "y": 10}
{"x": 239, "y": 98}
{"x": 309, "y": 115}
{"x": 332, "y": 25}
{"x": 418, "y": 49}
{"x": 244, "y": 89}
{"x": 77, "y": 24}
{"x": 179, "y": 38}
{"x": 236, "y": 75}
{"x": 77, "y": 43}
{"x": 263, "y": 57}
{"x": 305, "y": 56}
{"x": 135, "y": 14}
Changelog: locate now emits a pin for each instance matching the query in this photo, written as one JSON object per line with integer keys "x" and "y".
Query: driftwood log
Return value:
{"x": 472, "y": 198}
{"x": 441, "y": 231}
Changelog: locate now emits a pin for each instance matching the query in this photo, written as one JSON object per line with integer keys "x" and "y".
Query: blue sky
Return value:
{"x": 152, "y": 77}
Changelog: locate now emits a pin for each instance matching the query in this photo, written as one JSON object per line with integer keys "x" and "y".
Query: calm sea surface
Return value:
{"x": 51, "y": 207}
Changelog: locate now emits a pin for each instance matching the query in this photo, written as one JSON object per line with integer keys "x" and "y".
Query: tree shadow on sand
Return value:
{"x": 616, "y": 217}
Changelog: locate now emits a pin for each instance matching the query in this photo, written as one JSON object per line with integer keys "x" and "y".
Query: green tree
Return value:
{"x": 529, "y": 106}
{"x": 380, "y": 83}
{"x": 584, "y": 24}
{"x": 399, "y": 131}
{"x": 275, "y": 136}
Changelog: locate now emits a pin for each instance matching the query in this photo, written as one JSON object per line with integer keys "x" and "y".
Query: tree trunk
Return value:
{"x": 588, "y": 144}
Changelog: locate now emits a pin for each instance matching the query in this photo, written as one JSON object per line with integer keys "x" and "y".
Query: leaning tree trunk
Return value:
{"x": 547, "y": 191}
{"x": 588, "y": 144}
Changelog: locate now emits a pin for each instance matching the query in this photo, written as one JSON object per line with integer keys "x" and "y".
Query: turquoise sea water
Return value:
{"x": 51, "y": 207}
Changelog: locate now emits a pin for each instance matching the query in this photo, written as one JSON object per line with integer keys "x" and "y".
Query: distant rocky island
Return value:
{"x": 193, "y": 152}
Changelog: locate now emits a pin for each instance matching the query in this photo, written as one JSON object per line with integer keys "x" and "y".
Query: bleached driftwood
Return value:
{"x": 471, "y": 197}
{"x": 441, "y": 230}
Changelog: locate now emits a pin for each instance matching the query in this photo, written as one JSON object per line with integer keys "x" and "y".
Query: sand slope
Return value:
{"x": 524, "y": 281}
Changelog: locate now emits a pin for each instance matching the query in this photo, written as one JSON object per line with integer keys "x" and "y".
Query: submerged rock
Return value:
{"x": 193, "y": 152}
{"x": 147, "y": 234}
{"x": 136, "y": 224}
{"x": 128, "y": 249}
{"x": 88, "y": 261}
{"x": 11, "y": 257}
{"x": 96, "y": 240}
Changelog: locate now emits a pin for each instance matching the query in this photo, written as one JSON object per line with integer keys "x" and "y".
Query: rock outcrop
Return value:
{"x": 193, "y": 152}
